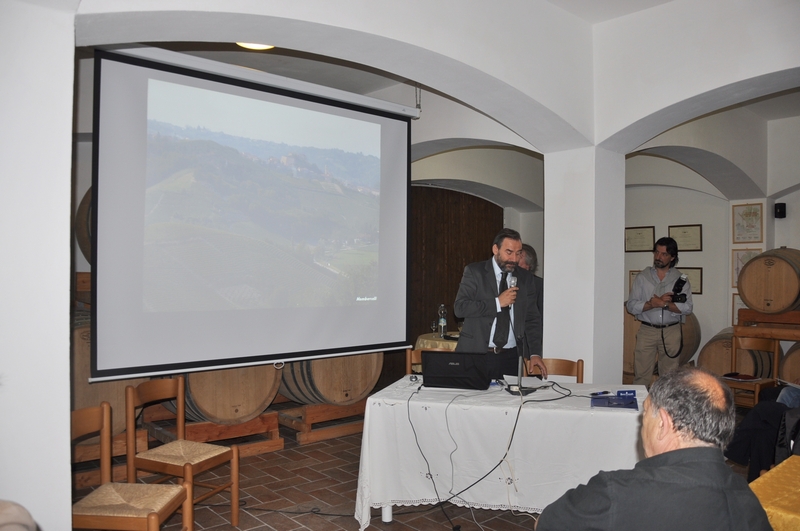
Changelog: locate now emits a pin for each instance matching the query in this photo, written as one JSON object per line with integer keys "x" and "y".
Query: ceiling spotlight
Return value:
{"x": 253, "y": 46}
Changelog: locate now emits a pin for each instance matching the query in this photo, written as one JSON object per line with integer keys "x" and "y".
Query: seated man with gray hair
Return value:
{"x": 683, "y": 484}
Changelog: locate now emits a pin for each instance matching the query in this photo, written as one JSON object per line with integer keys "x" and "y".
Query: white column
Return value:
{"x": 584, "y": 244}
{"x": 37, "y": 50}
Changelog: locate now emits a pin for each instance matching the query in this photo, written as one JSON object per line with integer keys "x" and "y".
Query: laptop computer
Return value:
{"x": 455, "y": 370}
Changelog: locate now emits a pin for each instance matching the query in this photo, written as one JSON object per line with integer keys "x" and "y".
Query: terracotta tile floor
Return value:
{"x": 313, "y": 487}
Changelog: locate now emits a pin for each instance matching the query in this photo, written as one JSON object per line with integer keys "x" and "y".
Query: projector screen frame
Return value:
{"x": 221, "y": 73}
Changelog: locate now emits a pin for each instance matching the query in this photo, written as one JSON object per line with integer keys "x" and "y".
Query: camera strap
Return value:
{"x": 663, "y": 342}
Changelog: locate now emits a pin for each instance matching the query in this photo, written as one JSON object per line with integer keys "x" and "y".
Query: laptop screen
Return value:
{"x": 455, "y": 370}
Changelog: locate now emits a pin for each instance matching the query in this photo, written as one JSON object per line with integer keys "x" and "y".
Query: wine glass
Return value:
{"x": 434, "y": 326}
{"x": 460, "y": 325}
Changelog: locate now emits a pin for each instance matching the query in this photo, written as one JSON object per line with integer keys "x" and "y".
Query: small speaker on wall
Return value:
{"x": 780, "y": 210}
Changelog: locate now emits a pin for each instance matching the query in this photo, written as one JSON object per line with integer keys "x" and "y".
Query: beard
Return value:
{"x": 658, "y": 264}
{"x": 506, "y": 265}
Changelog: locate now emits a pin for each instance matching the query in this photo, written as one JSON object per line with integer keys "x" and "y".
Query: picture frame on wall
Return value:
{"x": 639, "y": 239}
{"x": 748, "y": 223}
{"x": 695, "y": 275}
{"x": 739, "y": 257}
{"x": 736, "y": 305}
{"x": 631, "y": 277}
{"x": 688, "y": 237}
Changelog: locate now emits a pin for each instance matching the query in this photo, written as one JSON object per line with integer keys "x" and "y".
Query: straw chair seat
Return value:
{"x": 181, "y": 451}
{"x": 126, "y": 500}
{"x": 121, "y": 506}
{"x": 180, "y": 459}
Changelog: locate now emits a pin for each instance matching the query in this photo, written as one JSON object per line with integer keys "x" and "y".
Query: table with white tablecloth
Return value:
{"x": 486, "y": 449}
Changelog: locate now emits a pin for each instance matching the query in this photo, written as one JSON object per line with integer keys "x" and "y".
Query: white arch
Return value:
{"x": 660, "y": 67}
{"x": 726, "y": 176}
{"x": 454, "y": 67}
{"x": 650, "y": 126}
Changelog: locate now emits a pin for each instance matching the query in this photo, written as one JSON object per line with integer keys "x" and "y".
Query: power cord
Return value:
{"x": 429, "y": 474}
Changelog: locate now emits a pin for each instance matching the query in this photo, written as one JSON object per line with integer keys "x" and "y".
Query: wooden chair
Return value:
{"x": 561, "y": 367}
{"x": 414, "y": 356}
{"x": 179, "y": 458}
{"x": 746, "y": 393}
{"x": 120, "y": 505}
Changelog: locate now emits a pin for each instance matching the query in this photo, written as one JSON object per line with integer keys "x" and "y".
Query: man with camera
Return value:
{"x": 659, "y": 299}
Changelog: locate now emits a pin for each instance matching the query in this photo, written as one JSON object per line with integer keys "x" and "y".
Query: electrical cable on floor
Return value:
{"x": 429, "y": 474}
{"x": 472, "y": 512}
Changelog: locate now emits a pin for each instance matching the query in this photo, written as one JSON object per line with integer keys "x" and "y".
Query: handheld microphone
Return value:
{"x": 677, "y": 296}
{"x": 512, "y": 281}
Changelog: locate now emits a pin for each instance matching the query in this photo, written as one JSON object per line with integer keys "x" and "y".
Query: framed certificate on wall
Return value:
{"x": 639, "y": 239}
{"x": 688, "y": 237}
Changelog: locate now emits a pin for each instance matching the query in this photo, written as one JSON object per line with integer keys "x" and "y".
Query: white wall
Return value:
{"x": 787, "y": 230}
{"x": 784, "y": 179}
{"x": 783, "y": 156}
{"x": 36, "y": 58}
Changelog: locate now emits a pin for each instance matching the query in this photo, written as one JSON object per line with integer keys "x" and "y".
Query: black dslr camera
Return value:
{"x": 677, "y": 296}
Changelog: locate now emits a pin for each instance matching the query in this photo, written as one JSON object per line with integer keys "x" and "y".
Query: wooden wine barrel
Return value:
{"x": 231, "y": 396}
{"x": 341, "y": 381}
{"x": 790, "y": 365}
{"x": 691, "y": 340}
{"x": 770, "y": 282}
{"x": 85, "y": 394}
{"x": 716, "y": 357}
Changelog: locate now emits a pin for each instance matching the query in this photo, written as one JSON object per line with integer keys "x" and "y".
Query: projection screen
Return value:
{"x": 239, "y": 222}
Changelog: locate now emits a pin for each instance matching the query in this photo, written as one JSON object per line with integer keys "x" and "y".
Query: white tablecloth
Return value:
{"x": 426, "y": 446}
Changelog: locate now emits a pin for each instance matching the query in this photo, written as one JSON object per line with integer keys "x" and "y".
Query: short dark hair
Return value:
{"x": 506, "y": 233}
{"x": 700, "y": 404}
{"x": 672, "y": 248}
{"x": 530, "y": 257}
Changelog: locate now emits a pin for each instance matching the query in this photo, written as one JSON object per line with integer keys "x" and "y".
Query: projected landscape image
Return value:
{"x": 237, "y": 220}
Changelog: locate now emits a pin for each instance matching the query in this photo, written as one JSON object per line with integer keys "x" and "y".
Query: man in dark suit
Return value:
{"x": 486, "y": 302}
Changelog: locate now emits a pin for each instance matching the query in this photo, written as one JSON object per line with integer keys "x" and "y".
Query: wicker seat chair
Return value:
{"x": 120, "y": 505}
{"x": 180, "y": 458}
